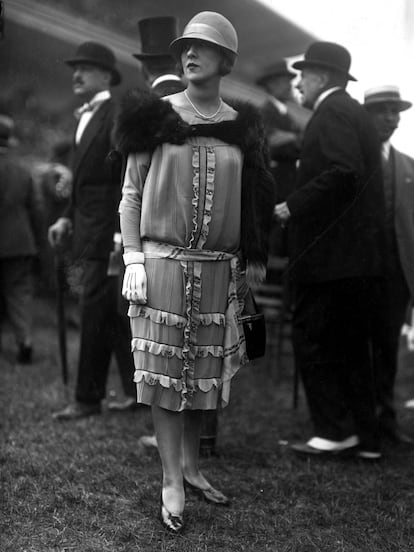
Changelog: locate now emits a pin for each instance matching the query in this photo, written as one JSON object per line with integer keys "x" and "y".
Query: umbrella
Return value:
{"x": 60, "y": 309}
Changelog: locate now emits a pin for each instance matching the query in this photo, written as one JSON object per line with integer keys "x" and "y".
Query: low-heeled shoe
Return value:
{"x": 172, "y": 522}
{"x": 210, "y": 494}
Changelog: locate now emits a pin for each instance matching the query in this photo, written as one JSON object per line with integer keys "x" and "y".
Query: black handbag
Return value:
{"x": 254, "y": 327}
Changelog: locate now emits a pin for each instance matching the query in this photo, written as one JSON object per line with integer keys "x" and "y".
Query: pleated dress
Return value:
{"x": 181, "y": 206}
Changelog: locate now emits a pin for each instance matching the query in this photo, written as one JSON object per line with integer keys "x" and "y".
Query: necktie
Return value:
{"x": 83, "y": 109}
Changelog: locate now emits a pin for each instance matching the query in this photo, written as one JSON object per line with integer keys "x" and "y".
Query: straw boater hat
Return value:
{"x": 386, "y": 94}
{"x": 93, "y": 53}
{"x": 327, "y": 55}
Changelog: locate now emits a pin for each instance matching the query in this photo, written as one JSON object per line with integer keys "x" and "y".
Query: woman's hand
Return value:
{"x": 255, "y": 274}
{"x": 134, "y": 287}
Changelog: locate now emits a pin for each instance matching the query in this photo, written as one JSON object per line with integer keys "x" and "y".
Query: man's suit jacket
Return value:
{"x": 337, "y": 209}
{"x": 20, "y": 209}
{"x": 404, "y": 213}
{"x": 96, "y": 192}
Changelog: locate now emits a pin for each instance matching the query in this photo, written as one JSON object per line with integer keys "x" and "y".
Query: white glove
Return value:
{"x": 134, "y": 287}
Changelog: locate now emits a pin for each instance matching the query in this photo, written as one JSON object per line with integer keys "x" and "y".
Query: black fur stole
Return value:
{"x": 144, "y": 122}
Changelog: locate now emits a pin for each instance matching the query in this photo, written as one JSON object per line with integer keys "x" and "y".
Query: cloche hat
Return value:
{"x": 210, "y": 27}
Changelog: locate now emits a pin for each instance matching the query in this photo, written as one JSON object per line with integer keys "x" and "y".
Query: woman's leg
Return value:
{"x": 169, "y": 432}
{"x": 190, "y": 456}
{"x": 191, "y": 448}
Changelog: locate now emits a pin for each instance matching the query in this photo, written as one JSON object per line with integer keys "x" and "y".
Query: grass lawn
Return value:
{"x": 86, "y": 486}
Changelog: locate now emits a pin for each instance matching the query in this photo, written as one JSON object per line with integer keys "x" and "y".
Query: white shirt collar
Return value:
{"x": 100, "y": 97}
{"x": 324, "y": 95}
{"x": 386, "y": 148}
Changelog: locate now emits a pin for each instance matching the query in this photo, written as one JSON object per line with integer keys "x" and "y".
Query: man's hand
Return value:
{"x": 59, "y": 232}
{"x": 134, "y": 287}
{"x": 282, "y": 213}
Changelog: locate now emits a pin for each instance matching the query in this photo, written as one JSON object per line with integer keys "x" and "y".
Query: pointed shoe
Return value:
{"x": 173, "y": 523}
{"x": 210, "y": 494}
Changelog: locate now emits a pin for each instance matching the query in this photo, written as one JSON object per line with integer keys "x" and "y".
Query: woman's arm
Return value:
{"x": 134, "y": 287}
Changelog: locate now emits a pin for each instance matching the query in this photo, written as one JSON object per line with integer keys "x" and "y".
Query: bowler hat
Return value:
{"x": 6, "y": 132}
{"x": 328, "y": 55}
{"x": 156, "y": 35}
{"x": 93, "y": 53}
{"x": 386, "y": 94}
{"x": 278, "y": 69}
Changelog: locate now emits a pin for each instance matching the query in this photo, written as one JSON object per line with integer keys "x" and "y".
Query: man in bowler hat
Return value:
{"x": 91, "y": 221}
{"x": 335, "y": 217}
{"x": 384, "y": 105}
{"x": 285, "y": 121}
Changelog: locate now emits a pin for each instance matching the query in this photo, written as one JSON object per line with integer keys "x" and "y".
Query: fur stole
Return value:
{"x": 144, "y": 122}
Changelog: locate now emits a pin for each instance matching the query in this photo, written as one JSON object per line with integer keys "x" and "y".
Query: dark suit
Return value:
{"x": 337, "y": 251}
{"x": 93, "y": 210}
{"x": 20, "y": 229}
{"x": 391, "y": 309}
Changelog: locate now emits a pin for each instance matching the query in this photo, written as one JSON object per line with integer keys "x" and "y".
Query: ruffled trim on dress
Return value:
{"x": 171, "y": 319}
{"x": 150, "y": 378}
{"x": 209, "y": 318}
{"x": 157, "y": 316}
{"x": 169, "y": 351}
{"x": 145, "y": 345}
{"x": 196, "y": 193}
{"x": 208, "y": 202}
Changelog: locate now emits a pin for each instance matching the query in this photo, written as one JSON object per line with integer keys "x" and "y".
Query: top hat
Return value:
{"x": 327, "y": 55}
{"x": 6, "y": 132}
{"x": 279, "y": 69}
{"x": 156, "y": 34}
{"x": 386, "y": 94}
{"x": 93, "y": 53}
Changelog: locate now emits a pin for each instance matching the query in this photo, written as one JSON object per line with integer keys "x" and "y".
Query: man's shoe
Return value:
{"x": 323, "y": 448}
{"x": 77, "y": 410}
{"x": 369, "y": 455}
{"x": 148, "y": 441}
{"x": 127, "y": 404}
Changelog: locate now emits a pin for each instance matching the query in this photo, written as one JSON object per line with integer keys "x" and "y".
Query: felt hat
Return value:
{"x": 386, "y": 94}
{"x": 156, "y": 35}
{"x": 327, "y": 55}
{"x": 210, "y": 27}
{"x": 93, "y": 53}
{"x": 278, "y": 69}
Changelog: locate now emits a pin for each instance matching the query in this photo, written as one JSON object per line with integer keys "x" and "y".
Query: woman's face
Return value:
{"x": 201, "y": 60}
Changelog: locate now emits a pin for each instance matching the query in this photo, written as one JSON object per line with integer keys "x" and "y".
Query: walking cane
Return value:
{"x": 60, "y": 310}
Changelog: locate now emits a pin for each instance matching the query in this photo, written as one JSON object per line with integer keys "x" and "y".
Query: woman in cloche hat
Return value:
{"x": 196, "y": 208}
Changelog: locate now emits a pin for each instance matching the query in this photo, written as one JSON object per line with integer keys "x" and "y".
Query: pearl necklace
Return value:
{"x": 199, "y": 112}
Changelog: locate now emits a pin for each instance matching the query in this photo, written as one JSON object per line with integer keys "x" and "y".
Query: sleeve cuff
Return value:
{"x": 133, "y": 257}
